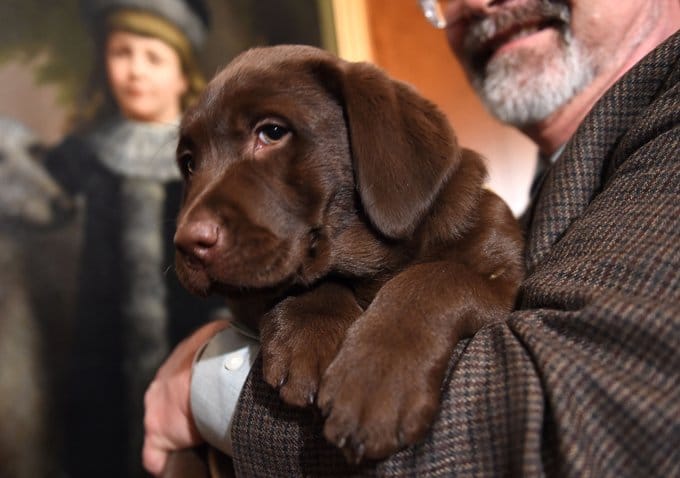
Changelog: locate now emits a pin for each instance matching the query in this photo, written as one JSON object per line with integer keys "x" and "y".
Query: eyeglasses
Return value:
{"x": 434, "y": 11}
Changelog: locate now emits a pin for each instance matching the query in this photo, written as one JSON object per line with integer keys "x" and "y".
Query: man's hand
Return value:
{"x": 168, "y": 424}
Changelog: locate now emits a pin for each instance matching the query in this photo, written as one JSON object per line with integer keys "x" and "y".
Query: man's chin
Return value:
{"x": 524, "y": 86}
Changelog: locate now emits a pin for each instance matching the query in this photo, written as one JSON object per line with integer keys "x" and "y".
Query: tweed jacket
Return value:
{"x": 583, "y": 379}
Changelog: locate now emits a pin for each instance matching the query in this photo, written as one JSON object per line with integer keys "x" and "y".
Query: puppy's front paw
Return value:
{"x": 376, "y": 401}
{"x": 299, "y": 341}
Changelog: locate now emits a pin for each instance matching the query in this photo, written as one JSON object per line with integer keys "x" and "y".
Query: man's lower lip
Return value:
{"x": 523, "y": 40}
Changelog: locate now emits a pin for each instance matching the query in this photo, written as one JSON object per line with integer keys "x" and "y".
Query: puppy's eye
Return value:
{"x": 186, "y": 164}
{"x": 270, "y": 133}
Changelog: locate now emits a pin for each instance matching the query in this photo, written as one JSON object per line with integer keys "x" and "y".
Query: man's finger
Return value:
{"x": 154, "y": 459}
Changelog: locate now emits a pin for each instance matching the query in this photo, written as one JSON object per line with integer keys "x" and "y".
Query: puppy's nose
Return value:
{"x": 196, "y": 239}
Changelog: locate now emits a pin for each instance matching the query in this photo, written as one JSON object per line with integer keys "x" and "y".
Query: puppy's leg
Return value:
{"x": 301, "y": 336}
{"x": 382, "y": 390}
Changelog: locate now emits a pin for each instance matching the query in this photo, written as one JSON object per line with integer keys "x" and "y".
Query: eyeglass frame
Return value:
{"x": 433, "y": 13}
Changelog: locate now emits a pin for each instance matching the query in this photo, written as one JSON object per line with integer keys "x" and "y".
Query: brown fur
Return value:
{"x": 361, "y": 241}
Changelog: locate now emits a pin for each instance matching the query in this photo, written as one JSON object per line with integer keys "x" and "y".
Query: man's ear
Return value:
{"x": 403, "y": 149}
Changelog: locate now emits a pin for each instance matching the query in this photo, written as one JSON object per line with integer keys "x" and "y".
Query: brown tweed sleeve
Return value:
{"x": 584, "y": 377}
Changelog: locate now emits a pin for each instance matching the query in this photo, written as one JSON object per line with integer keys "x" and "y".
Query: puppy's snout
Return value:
{"x": 196, "y": 240}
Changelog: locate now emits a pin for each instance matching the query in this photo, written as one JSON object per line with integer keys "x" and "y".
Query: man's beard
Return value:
{"x": 525, "y": 86}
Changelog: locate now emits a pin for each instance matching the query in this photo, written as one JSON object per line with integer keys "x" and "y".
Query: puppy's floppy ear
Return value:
{"x": 403, "y": 148}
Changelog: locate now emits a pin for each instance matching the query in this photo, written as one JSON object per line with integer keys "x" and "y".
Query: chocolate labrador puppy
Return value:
{"x": 334, "y": 209}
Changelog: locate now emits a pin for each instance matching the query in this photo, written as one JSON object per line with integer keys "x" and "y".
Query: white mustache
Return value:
{"x": 481, "y": 33}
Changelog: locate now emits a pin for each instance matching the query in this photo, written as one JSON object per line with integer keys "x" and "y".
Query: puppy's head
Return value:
{"x": 287, "y": 149}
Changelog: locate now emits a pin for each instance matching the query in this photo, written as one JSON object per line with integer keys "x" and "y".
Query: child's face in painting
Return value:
{"x": 146, "y": 78}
